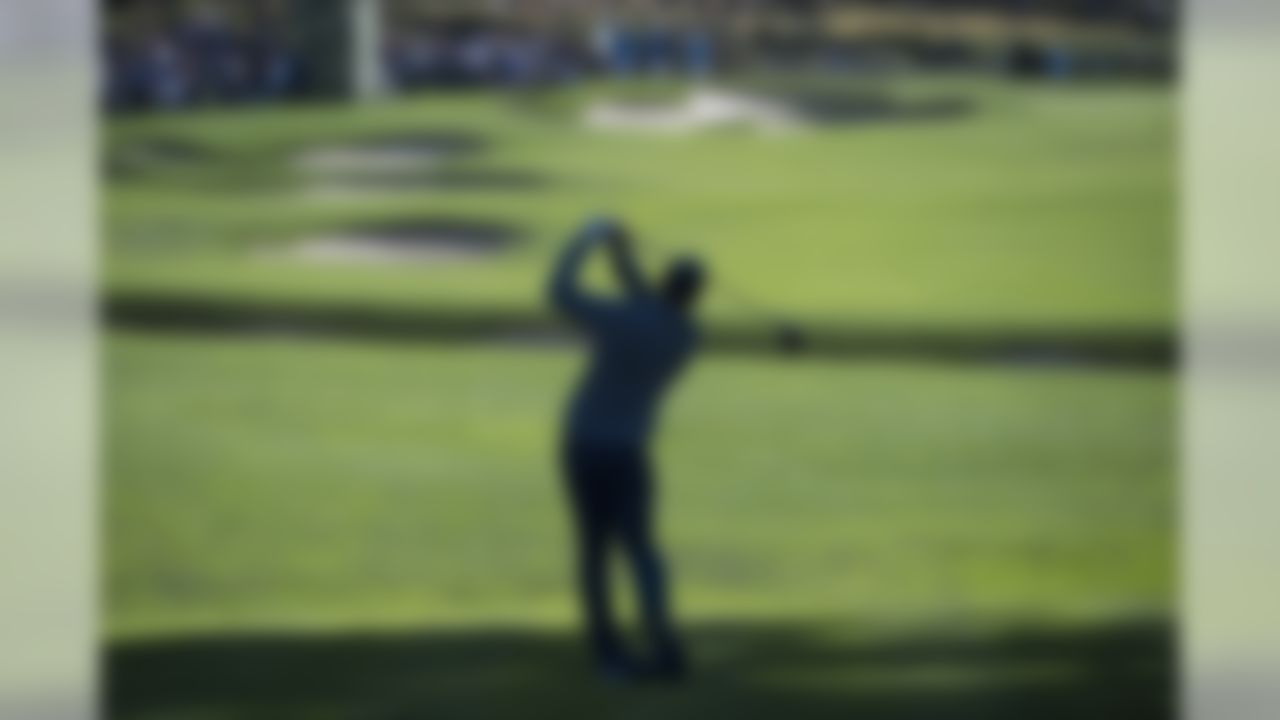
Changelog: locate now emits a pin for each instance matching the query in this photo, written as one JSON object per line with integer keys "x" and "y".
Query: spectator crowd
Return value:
{"x": 183, "y": 55}
{"x": 200, "y": 58}
{"x": 203, "y": 58}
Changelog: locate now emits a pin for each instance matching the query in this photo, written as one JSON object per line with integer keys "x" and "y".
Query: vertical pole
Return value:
{"x": 368, "y": 75}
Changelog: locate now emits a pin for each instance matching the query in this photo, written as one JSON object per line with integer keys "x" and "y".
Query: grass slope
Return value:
{"x": 1047, "y": 208}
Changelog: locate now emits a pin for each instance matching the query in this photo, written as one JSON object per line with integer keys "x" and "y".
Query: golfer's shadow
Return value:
{"x": 761, "y": 671}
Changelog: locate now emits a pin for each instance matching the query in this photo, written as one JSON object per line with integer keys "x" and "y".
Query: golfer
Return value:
{"x": 639, "y": 343}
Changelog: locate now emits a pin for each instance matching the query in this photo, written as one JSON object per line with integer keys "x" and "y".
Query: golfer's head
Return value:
{"x": 684, "y": 282}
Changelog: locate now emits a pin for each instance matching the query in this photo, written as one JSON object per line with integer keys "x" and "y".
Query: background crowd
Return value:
{"x": 168, "y": 55}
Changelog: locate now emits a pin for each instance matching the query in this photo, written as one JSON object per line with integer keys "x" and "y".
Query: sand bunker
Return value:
{"x": 702, "y": 109}
{"x": 709, "y": 109}
{"x": 433, "y": 243}
{"x": 395, "y": 155}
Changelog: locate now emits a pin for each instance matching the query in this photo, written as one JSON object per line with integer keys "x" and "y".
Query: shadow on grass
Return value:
{"x": 221, "y": 314}
{"x": 142, "y": 157}
{"x": 750, "y": 670}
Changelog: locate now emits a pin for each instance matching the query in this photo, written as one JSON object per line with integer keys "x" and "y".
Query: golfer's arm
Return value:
{"x": 565, "y": 289}
{"x": 625, "y": 267}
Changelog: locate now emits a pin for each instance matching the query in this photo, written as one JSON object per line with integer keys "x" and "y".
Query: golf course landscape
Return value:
{"x": 333, "y": 388}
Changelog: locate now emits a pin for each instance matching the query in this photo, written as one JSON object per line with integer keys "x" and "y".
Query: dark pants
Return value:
{"x": 612, "y": 499}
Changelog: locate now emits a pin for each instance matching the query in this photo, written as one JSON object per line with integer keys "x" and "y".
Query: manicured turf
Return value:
{"x": 1046, "y": 208}
{"x": 270, "y": 483}
{"x": 314, "y": 528}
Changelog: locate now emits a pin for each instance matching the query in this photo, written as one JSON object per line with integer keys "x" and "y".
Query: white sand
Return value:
{"x": 702, "y": 109}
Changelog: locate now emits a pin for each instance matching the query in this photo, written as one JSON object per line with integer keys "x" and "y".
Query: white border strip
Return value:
{"x": 1231, "y": 403}
{"x": 48, "y": 502}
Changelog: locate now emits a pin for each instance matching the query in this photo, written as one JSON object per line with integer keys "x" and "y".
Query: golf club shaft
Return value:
{"x": 736, "y": 295}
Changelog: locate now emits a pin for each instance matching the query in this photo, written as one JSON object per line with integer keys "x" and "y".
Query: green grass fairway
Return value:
{"x": 267, "y": 483}
{"x": 1048, "y": 209}
{"x": 317, "y": 529}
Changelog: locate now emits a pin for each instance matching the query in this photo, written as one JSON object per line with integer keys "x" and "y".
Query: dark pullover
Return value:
{"x": 638, "y": 342}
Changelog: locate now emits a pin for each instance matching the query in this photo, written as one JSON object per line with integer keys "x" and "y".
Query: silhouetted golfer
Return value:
{"x": 639, "y": 344}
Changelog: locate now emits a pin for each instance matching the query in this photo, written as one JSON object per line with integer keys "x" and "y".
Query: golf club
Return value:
{"x": 789, "y": 336}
